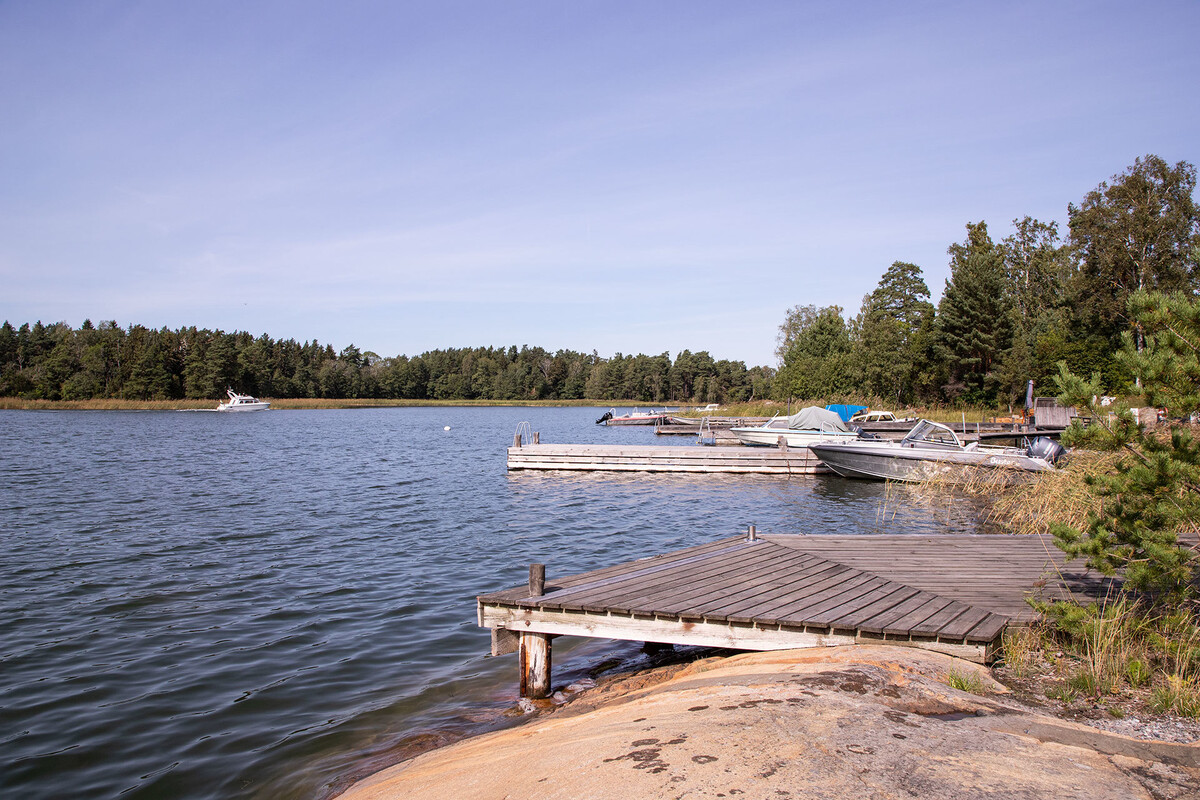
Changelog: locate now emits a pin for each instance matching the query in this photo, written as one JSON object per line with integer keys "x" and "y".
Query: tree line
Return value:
{"x": 1012, "y": 309}
{"x": 57, "y": 362}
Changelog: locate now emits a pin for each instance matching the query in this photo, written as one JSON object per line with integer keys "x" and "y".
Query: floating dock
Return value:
{"x": 953, "y": 594}
{"x": 665, "y": 458}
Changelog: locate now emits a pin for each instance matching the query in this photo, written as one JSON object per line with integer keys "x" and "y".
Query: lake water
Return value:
{"x": 203, "y": 605}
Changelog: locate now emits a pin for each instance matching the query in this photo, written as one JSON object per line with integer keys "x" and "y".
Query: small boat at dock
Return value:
{"x": 242, "y": 402}
{"x": 931, "y": 451}
{"x": 801, "y": 429}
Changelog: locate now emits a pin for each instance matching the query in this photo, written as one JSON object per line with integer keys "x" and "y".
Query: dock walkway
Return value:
{"x": 665, "y": 458}
{"x": 950, "y": 593}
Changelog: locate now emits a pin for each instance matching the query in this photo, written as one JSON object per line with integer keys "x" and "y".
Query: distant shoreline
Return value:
{"x": 296, "y": 403}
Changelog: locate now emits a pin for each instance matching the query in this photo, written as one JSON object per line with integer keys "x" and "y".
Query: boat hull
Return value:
{"x": 243, "y": 406}
{"x": 643, "y": 419}
{"x": 769, "y": 437}
{"x": 891, "y": 462}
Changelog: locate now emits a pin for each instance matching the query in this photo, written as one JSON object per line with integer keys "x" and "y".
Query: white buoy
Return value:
{"x": 446, "y": 428}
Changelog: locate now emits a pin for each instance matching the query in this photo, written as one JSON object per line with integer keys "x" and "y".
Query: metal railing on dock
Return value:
{"x": 525, "y": 435}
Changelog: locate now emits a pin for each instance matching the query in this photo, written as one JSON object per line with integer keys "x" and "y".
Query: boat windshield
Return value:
{"x": 932, "y": 434}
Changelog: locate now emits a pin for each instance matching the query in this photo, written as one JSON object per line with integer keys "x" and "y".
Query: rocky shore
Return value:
{"x": 854, "y": 722}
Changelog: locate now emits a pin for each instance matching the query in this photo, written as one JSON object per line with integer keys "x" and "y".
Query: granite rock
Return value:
{"x": 847, "y": 722}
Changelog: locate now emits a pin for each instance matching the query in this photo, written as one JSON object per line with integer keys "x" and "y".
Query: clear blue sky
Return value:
{"x": 618, "y": 176}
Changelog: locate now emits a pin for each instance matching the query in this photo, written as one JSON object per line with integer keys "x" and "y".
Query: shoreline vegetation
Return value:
{"x": 765, "y": 408}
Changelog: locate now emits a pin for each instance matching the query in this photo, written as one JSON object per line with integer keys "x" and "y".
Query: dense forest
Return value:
{"x": 1011, "y": 310}
{"x": 55, "y": 362}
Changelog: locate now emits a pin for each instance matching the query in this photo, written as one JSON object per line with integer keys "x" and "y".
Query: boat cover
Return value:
{"x": 844, "y": 411}
{"x": 816, "y": 419}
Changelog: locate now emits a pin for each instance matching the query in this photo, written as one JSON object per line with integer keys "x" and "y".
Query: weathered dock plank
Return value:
{"x": 950, "y": 593}
{"x": 963, "y": 567}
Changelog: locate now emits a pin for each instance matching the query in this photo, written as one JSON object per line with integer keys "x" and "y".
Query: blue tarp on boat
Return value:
{"x": 844, "y": 411}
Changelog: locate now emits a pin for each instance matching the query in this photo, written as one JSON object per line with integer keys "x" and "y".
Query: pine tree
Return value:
{"x": 974, "y": 321}
{"x": 889, "y": 330}
{"x": 1154, "y": 492}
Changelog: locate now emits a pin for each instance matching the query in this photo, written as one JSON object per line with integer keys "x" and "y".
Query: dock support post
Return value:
{"x": 535, "y": 665}
{"x": 516, "y": 440}
{"x": 535, "y": 647}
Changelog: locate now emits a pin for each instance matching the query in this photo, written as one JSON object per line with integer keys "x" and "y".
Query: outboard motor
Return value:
{"x": 1047, "y": 449}
{"x": 607, "y": 416}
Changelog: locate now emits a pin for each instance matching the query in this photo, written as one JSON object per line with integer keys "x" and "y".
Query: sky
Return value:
{"x": 617, "y": 176}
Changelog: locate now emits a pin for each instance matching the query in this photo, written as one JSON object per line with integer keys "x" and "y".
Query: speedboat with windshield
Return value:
{"x": 242, "y": 402}
{"x": 801, "y": 429}
{"x": 932, "y": 451}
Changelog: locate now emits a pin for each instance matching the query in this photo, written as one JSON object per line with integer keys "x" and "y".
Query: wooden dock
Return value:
{"x": 950, "y": 593}
{"x": 665, "y": 458}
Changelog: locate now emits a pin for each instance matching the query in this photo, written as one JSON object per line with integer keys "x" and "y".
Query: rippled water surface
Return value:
{"x": 202, "y": 605}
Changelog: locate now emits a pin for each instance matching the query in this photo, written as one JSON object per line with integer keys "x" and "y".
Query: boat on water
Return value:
{"x": 242, "y": 402}
{"x": 635, "y": 417}
{"x": 933, "y": 451}
{"x": 868, "y": 415}
{"x": 806, "y": 426}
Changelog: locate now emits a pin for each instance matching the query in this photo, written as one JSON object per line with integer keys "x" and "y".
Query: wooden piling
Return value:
{"x": 535, "y": 665}
{"x": 535, "y": 647}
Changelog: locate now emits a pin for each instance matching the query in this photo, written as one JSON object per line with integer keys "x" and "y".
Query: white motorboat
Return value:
{"x": 242, "y": 402}
{"x": 801, "y": 429}
{"x": 634, "y": 418}
{"x": 933, "y": 451}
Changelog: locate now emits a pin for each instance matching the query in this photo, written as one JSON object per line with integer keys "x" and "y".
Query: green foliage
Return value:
{"x": 965, "y": 681}
{"x": 974, "y": 317}
{"x": 1103, "y": 646}
{"x": 816, "y": 361}
{"x": 57, "y": 363}
{"x": 1137, "y": 672}
{"x": 1038, "y": 269}
{"x": 1155, "y": 489}
{"x": 892, "y": 333}
{"x": 1137, "y": 232}
{"x": 1011, "y": 311}
{"x": 1177, "y": 695}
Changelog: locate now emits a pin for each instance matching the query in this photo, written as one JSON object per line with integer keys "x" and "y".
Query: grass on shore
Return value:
{"x": 1119, "y": 653}
{"x": 1115, "y": 653}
